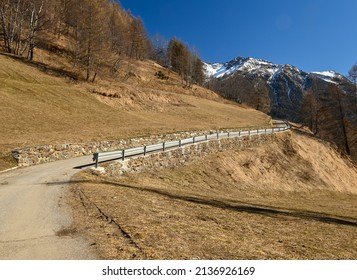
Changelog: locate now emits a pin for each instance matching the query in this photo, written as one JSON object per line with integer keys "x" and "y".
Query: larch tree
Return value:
{"x": 91, "y": 41}
{"x": 198, "y": 74}
{"x": 310, "y": 111}
{"x": 118, "y": 38}
{"x": 61, "y": 14}
{"x": 185, "y": 62}
{"x": 342, "y": 112}
{"x": 178, "y": 54}
{"x": 138, "y": 39}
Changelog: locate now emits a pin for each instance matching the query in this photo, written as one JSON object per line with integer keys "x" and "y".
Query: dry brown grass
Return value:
{"x": 37, "y": 108}
{"x": 277, "y": 201}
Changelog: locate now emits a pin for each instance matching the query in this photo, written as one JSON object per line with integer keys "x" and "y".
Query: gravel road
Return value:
{"x": 33, "y": 211}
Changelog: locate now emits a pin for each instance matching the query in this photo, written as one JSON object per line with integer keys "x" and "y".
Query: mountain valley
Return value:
{"x": 91, "y": 80}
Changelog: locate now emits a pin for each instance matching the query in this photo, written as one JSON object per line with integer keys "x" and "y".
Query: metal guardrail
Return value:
{"x": 144, "y": 150}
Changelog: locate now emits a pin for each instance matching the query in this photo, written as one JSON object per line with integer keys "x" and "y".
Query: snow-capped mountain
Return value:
{"x": 325, "y": 101}
{"x": 262, "y": 68}
{"x": 241, "y": 64}
{"x": 282, "y": 79}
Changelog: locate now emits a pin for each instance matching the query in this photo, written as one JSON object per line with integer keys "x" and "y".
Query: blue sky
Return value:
{"x": 314, "y": 35}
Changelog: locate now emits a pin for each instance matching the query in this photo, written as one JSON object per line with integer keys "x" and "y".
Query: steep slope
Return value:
{"x": 37, "y": 108}
{"x": 325, "y": 101}
{"x": 294, "y": 198}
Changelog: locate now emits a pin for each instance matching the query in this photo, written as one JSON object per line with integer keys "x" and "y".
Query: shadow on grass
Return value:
{"x": 48, "y": 69}
{"x": 234, "y": 205}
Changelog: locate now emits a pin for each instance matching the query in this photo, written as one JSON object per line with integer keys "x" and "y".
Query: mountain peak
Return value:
{"x": 241, "y": 64}
{"x": 261, "y": 68}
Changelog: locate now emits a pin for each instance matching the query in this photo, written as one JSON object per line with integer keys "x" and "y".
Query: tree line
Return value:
{"x": 176, "y": 55}
{"x": 100, "y": 35}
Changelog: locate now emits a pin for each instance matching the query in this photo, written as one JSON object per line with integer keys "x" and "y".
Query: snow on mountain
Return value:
{"x": 324, "y": 101}
{"x": 212, "y": 68}
{"x": 259, "y": 67}
{"x": 328, "y": 76}
{"x": 241, "y": 64}
{"x": 262, "y": 68}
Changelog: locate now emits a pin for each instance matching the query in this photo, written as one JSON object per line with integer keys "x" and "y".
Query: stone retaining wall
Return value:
{"x": 48, "y": 153}
{"x": 184, "y": 155}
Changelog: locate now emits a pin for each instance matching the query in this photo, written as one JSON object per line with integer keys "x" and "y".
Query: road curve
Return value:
{"x": 32, "y": 212}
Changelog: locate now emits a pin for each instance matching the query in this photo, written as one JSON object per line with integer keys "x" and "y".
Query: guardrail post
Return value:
{"x": 258, "y": 131}
{"x": 249, "y": 132}
{"x": 123, "y": 154}
{"x": 239, "y": 133}
{"x": 229, "y": 134}
{"x": 265, "y": 131}
{"x": 144, "y": 150}
{"x": 194, "y": 139}
{"x": 95, "y": 158}
{"x": 206, "y": 136}
{"x": 217, "y": 135}
{"x": 163, "y": 146}
{"x": 180, "y": 143}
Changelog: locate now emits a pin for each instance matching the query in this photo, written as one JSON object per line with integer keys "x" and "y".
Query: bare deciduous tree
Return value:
{"x": 160, "y": 50}
{"x": 352, "y": 73}
{"x": 20, "y": 22}
{"x": 36, "y": 22}
{"x": 12, "y": 16}
{"x": 310, "y": 111}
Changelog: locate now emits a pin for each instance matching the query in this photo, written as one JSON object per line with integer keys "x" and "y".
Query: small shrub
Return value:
{"x": 160, "y": 75}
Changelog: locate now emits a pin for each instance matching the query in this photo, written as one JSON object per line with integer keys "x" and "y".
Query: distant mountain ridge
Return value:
{"x": 264, "y": 68}
{"x": 325, "y": 101}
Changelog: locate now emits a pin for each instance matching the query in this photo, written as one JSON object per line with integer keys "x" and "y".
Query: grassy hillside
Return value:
{"x": 292, "y": 199}
{"x": 37, "y": 108}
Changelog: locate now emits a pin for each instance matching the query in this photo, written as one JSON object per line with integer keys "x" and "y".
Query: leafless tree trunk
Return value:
{"x": 11, "y": 18}
{"x": 352, "y": 74}
{"x": 36, "y": 23}
{"x": 342, "y": 117}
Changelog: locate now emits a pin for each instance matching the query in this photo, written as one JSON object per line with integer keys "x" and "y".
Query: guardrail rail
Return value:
{"x": 144, "y": 150}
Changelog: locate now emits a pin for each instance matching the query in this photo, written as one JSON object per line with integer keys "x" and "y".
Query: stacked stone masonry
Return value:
{"x": 48, "y": 153}
{"x": 184, "y": 155}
